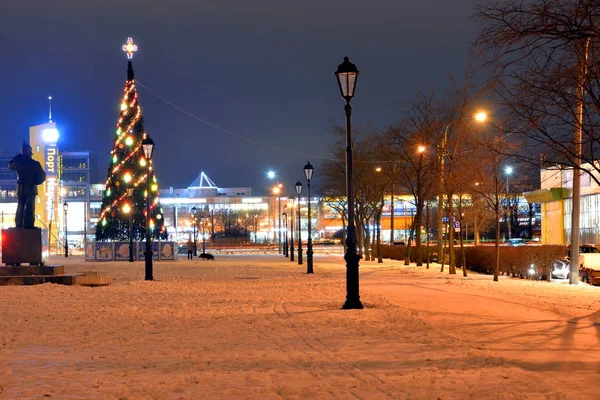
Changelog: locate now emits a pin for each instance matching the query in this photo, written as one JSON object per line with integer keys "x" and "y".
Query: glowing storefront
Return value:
{"x": 555, "y": 197}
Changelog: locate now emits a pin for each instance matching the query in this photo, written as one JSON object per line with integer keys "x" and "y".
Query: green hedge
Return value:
{"x": 399, "y": 252}
{"x": 514, "y": 261}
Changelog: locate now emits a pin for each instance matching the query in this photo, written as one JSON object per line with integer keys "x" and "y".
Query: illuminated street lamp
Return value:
{"x": 509, "y": 171}
{"x": 291, "y": 202}
{"x": 285, "y": 236}
{"x": 346, "y": 75}
{"x": 299, "y": 226}
{"x": 203, "y": 235}
{"x": 66, "y": 207}
{"x": 277, "y": 191}
{"x": 308, "y": 173}
{"x": 480, "y": 117}
{"x": 130, "y": 194}
{"x": 148, "y": 146}
{"x": 195, "y": 222}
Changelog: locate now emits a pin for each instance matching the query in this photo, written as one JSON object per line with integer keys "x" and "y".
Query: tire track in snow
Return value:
{"x": 281, "y": 345}
{"x": 320, "y": 348}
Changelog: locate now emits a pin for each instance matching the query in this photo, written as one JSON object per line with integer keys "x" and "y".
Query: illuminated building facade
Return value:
{"x": 44, "y": 143}
{"x": 555, "y": 197}
{"x": 78, "y": 176}
{"x": 8, "y": 191}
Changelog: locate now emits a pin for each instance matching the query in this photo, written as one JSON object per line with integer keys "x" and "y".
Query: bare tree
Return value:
{"x": 408, "y": 148}
{"x": 544, "y": 58}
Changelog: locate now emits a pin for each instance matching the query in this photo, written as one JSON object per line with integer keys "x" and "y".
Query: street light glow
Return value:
{"x": 421, "y": 149}
{"x": 378, "y": 169}
{"x": 509, "y": 170}
{"x": 270, "y": 174}
{"x": 481, "y": 116}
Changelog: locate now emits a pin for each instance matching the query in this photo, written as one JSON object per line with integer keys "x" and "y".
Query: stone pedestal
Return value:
{"x": 24, "y": 246}
{"x": 36, "y": 275}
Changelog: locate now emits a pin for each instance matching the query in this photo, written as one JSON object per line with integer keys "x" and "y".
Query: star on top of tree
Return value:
{"x": 129, "y": 48}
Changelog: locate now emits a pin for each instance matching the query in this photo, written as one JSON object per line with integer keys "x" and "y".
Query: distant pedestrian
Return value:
{"x": 190, "y": 248}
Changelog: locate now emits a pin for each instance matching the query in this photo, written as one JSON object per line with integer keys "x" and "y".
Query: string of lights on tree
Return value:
{"x": 128, "y": 169}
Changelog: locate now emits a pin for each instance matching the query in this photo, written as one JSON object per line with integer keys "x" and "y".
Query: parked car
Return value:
{"x": 589, "y": 265}
{"x": 516, "y": 242}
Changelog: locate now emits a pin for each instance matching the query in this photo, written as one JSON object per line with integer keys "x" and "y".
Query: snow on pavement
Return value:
{"x": 258, "y": 327}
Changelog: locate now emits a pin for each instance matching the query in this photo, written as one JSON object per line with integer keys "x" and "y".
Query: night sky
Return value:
{"x": 259, "y": 69}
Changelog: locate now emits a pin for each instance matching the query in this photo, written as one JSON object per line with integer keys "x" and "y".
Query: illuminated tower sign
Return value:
{"x": 43, "y": 139}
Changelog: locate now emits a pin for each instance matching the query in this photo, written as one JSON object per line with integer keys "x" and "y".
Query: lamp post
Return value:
{"x": 203, "y": 235}
{"x": 130, "y": 194}
{"x": 148, "y": 146}
{"x": 195, "y": 221}
{"x": 299, "y": 226}
{"x": 66, "y": 207}
{"x": 277, "y": 191}
{"x": 308, "y": 172}
{"x": 346, "y": 75}
{"x": 508, "y": 171}
{"x": 285, "y": 236}
{"x": 291, "y": 200}
{"x": 480, "y": 117}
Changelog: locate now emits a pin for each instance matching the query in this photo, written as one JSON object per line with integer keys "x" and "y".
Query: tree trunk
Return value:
{"x": 373, "y": 248}
{"x": 451, "y": 260}
{"x": 409, "y": 243}
{"x": 497, "y": 266}
{"x": 379, "y": 259}
{"x": 427, "y": 234}
{"x": 440, "y": 233}
{"x": 418, "y": 222}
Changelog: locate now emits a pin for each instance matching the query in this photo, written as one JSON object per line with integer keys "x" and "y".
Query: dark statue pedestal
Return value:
{"x": 24, "y": 246}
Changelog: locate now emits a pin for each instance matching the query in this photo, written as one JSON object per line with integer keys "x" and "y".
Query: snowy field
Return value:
{"x": 257, "y": 327}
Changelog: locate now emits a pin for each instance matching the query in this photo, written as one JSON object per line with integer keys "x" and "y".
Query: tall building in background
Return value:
{"x": 78, "y": 172}
{"x": 43, "y": 140}
{"x": 8, "y": 191}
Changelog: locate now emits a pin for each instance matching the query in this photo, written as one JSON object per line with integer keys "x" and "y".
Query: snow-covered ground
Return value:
{"x": 258, "y": 327}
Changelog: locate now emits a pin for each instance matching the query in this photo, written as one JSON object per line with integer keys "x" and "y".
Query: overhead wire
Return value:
{"x": 226, "y": 130}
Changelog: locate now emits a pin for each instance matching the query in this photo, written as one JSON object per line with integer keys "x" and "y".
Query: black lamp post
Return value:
{"x": 195, "y": 221}
{"x": 130, "y": 194}
{"x": 292, "y": 228}
{"x": 203, "y": 236}
{"x": 284, "y": 214}
{"x": 148, "y": 146}
{"x": 346, "y": 75}
{"x": 278, "y": 191}
{"x": 308, "y": 172}
{"x": 299, "y": 226}
{"x": 66, "y": 207}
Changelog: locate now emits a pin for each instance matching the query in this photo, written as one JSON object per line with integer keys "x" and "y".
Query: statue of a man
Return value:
{"x": 30, "y": 174}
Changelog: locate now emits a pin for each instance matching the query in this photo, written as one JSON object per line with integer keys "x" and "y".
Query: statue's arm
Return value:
{"x": 12, "y": 164}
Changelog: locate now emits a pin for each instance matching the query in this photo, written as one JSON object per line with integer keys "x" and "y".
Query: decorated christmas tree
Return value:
{"x": 128, "y": 169}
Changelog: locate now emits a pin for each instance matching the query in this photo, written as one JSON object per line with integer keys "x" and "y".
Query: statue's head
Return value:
{"x": 26, "y": 149}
